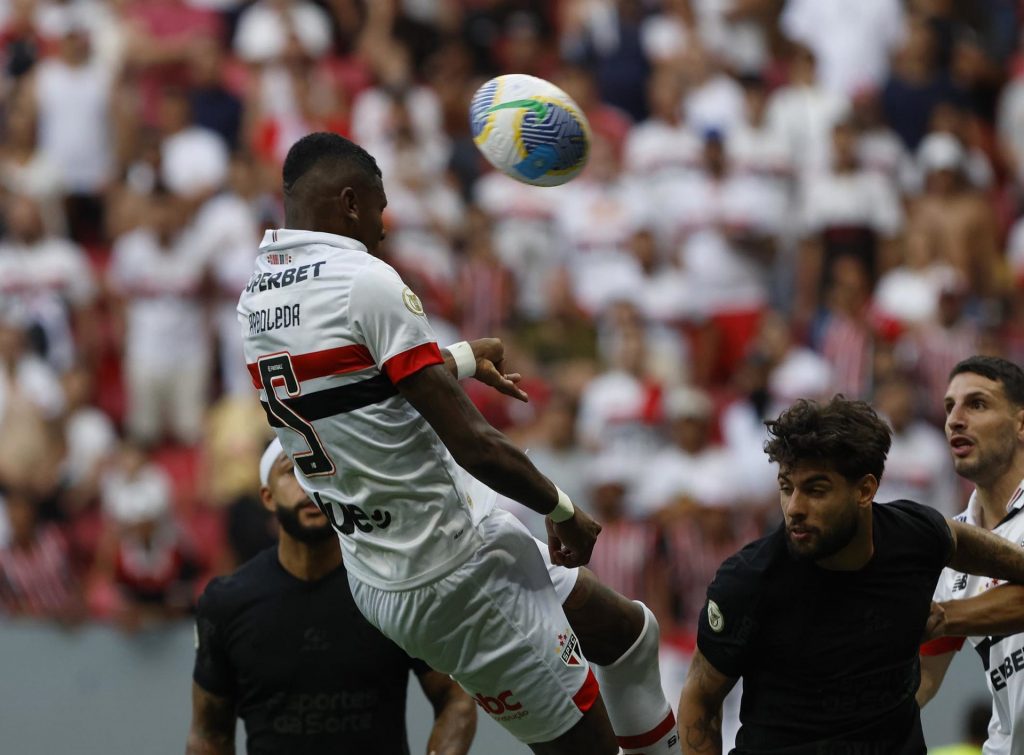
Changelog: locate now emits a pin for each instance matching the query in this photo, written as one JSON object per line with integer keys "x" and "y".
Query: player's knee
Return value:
{"x": 652, "y": 629}
{"x": 607, "y": 623}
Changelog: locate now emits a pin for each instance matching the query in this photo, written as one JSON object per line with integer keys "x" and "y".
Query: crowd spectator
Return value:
{"x": 845, "y": 211}
{"x": 156, "y": 274}
{"x": 691, "y": 468}
{"x": 963, "y": 221}
{"x": 37, "y": 573}
{"x": 918, "y": 467}
{"x": 144, "y": 554}
{"x": 853, "y": 48}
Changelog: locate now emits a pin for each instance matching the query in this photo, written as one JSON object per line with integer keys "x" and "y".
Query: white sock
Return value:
{"x": 641, "y": 717}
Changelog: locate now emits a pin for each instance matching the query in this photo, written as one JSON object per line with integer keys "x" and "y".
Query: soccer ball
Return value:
{"x": 530, "y": 129}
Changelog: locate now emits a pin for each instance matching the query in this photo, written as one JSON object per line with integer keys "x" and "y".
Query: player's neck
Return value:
{"x": 308, "y": 561}
{"x": 993, "y": 497}
{"x": 299, "y": 219}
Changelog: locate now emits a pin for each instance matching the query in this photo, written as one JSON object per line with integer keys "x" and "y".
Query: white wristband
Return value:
{"x": 465, "y": 361}
{"x": 563, "y": 510}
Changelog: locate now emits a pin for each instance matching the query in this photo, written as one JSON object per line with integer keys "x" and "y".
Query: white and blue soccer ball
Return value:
{"x": 530, "y": 129}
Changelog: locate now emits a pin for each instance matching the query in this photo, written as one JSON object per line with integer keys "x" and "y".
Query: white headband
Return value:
{"x": 274, "y": 450}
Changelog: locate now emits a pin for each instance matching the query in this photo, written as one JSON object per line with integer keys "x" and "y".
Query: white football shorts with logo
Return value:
{"x": 496, "y": 626}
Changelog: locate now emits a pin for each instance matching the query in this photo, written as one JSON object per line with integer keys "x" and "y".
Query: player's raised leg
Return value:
{"x": 620, "y": 639}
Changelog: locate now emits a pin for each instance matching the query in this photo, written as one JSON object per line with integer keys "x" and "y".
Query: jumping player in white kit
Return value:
{"x": 369, "y": 408}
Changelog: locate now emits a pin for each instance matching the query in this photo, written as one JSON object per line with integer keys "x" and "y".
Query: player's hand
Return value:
{"x": 571, "y": 543}
{"x": 490, "y": 359}
{"x": 936, "y": 624}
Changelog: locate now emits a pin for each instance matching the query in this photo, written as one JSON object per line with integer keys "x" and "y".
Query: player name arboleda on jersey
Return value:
{"x": 262, "y": 320}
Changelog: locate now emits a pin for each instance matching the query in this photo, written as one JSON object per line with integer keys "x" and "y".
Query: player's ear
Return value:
{"x": 267, "y": 499}
{"x": 866, "y": 489}
{"x": 349, "y": 203}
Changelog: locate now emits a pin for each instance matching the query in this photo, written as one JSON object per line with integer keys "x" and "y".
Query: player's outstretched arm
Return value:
{"x": 978, "y": 551}
{"x": 487, "y": 365}
{"x": 492, "y": 458}
{"x": 999, "y": 611}
{"x": 213, "y": 724}
{"x": 700, "y": 707}
{"x": 454, "y": 715}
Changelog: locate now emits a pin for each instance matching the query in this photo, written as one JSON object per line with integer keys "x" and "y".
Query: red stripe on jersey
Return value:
{"x": 637, "y": 741}
{"x": 319, "y": 364}
{"x": 588, "y": 693}
{"x": 942, "y": 645}
{"x": 412, "y": 361}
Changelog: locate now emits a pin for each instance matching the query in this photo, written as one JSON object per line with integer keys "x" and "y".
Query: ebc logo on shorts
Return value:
{"x": 503, "y": 707}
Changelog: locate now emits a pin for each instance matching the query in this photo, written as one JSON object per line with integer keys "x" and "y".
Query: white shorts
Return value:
{"x": 496, "y": 625}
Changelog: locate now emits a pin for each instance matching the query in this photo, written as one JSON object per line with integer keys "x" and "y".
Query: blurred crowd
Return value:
{"x": 784, "y": 198}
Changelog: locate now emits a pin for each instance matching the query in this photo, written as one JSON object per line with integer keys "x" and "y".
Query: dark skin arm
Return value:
{"x": 999, "y": 611}
{"x": 454, "y": 715}
{"x": 494, "y": 460}
{"x": 213, "y": 724}
{"x": 490, "y": 358}
{"x": 700, "y": 707}
{"x": 978, "y": 551}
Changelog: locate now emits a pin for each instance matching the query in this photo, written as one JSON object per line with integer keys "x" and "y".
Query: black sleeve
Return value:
{"x": 726, "y": 625}
{"x": 928, "y": 527}
{"x": 212, "y": 670}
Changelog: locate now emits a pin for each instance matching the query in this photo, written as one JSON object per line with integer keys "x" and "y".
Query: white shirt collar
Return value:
{"x": 973, "y": 514}
{"x": 285, "y": 238}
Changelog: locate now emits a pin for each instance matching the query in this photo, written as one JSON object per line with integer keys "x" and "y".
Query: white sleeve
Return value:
{"x": 389, "y": 320}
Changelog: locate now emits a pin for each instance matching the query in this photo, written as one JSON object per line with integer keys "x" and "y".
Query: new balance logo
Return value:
{"x": 960, "y": 583}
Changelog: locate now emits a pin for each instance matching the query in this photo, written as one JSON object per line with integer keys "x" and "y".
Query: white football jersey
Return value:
{"x": 328, "y": 331}
{"x": 1001, "y": 657}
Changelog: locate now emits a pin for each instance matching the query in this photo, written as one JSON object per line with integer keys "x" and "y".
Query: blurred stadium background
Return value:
{"x": 785, "y": 198}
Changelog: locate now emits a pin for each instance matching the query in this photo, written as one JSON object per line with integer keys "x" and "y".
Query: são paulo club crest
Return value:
{"x": 569, "y": 649}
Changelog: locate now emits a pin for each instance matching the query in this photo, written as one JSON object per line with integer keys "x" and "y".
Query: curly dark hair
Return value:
{"x": 997, "y": 369}
{"x": 844, "y": 435}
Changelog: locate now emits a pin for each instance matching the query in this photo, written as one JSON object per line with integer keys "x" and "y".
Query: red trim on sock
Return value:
{"x": 651, "y": 737}
{"x": 588, "y": 693}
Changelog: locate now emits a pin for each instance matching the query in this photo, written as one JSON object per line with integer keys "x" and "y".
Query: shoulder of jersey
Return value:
{"x": 753, "y": 559}
{"x": 242, "y": 583}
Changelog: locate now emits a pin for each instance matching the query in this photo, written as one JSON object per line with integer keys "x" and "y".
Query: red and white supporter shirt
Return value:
{"x": 328, "y": 331}
{"x": 1001, "y": 657}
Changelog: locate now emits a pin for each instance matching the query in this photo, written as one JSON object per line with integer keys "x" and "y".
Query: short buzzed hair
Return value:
{"x": 312, "y": 149}
{"x": 998, "y": 369}
{"x": 844, "y": 435}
